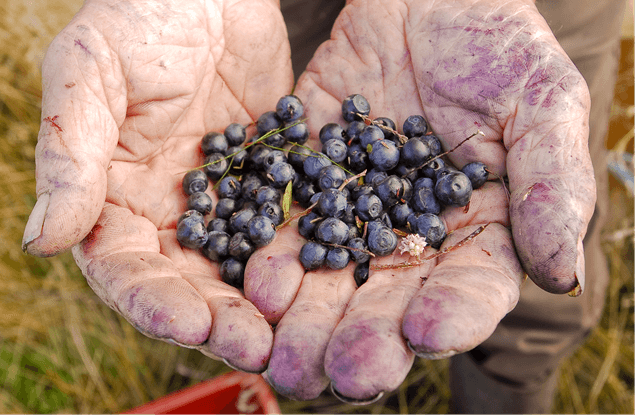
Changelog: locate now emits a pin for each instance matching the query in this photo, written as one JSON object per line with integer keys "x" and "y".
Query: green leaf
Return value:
{"x": 286, "y": 200}
{"x": 369, "y": 148}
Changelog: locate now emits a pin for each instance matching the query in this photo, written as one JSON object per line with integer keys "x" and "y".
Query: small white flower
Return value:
{"x": 413, "y": 244}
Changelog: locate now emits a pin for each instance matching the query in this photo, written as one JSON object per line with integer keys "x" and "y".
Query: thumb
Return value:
{"x": 78, "y": 134}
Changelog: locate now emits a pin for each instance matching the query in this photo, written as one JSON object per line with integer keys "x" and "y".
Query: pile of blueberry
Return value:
{"x": 352, "y": 215}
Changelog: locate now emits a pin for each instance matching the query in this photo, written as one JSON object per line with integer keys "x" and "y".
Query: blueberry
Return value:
{"x": 362, "y": 189}
{"x": 240, "y": 246}
{"x": 388, "y": 127}
{"x": 431, "y": 168}
{"x": 237, "y": 156}
{"x": 303, "y": 191}
{"x": 361, "y": 273}
{"x": 280, "y": 174}
{"x": 431, "y": 227}
{"x": 360, "y": 252}
{"x": 229, "y": 187}
{"x": 353, "y": 231}
{"x": 235, "y": 134}
{"x": 251, "y": 182}
{"x": 399, "y": 214}
{"x": 390, "y": 191}
{"x": 313, "y": 164}
{"x": 213, "y": 142}
{"x": 194, "y": 181}
{"x": 226, "y": 207}
{"x": 384, "y": 155}
{"x": 215, "y": 166}
{"x": 335, "y": 149}
{"x": 414, "y": 152}
{"x": 453, "y": 189}
{"x": 272, "y": 211}
{"x": 332, "y": 203}
{"x": 296, "y": 133}
{"x": 337, "y": 258}
{"x": 368, "y": 207}
{"x": 332, "y": 231}
{"x": 238, "y": 220}
{"x": 297, "y": 155}
{"x": 357, "y": 158}
{"x": 434, "y": 144}
{"x": 192, "y": 214}
{"x": 353, "y": 106}
{"x": 191, "y": 232}
{"x": 274, "y": 156}
{"x": 331, "y": 177}
{"x": 415, "y": 125}
{"x": 218, "y": 224}
{"x": 349, "y": 213}
{"x": 217, "y": 246}
{"x": 268, "y": 121}
{"x": 382, "y": 241}
{"x": 261, "y": 230}
{"x": 477, "y": 173}
{"x": 258, "y": 155}
{"x": 370, "y": 135}
{"x": 307, "y": 224}
{"x": 406, "y": 172}
{"x": 374, "y": 176}
{"x": 200, "y": 201}
{"x": 354, "y": 129}
{"x": 232, "y": 272}
{"x": 267, "y": 194}
{"x": 312, "y": 255}
{"x": 331, "y": 131}
{"x": 424, "y": 199}
{"x": 275, "y": 140}
{"x": 289, "y": 108}
{"x": 444, "y": 171}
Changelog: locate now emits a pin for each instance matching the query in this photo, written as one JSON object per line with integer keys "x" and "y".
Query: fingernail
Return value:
{"x": 352, "y": 401}
{"x": 579, "y": 273}
{"x": 238, "y": 368}
{"x": 34, "y": 225}
{"x": 432, "y": 355}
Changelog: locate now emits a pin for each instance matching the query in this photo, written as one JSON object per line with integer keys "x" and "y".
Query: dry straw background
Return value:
{"x": 63, "y": 350}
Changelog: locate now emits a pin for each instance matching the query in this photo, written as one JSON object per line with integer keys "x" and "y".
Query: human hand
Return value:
{"x": 129, "y": 89}
{"x": 466, "y": 65}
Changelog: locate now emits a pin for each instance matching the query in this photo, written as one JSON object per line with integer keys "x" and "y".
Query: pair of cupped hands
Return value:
{"x": 130, "y": 88}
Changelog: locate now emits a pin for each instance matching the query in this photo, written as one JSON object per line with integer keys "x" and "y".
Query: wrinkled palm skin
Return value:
{"x": 131, "y": 87}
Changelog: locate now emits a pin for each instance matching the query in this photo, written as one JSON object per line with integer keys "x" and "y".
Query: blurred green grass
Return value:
{"x": 63, "y": 351}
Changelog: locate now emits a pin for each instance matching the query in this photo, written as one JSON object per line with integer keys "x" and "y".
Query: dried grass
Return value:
{"x": 63, "y": 350}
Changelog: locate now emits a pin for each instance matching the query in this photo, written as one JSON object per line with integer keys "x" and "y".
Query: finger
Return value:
{"x": 274, "y": 273}
{"x": 82, "y": 107}
{"x": 367, "y": 354}
{"x": 467, "y": 294}
{"x": 296, "y": 368}
{"x": 122, "y": 263}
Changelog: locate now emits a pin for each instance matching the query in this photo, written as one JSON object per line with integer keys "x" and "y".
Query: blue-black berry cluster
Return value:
{"x": 406, "y": 186}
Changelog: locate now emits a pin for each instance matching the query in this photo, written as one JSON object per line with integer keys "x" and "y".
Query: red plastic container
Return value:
{"x": 233, "y": 393}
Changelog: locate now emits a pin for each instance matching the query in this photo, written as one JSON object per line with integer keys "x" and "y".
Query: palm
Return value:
{"x": 466, "y": 68}
{"x": 130, "y": 89}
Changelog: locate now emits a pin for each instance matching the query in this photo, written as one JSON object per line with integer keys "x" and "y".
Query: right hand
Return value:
{"x": 129, "y": 89}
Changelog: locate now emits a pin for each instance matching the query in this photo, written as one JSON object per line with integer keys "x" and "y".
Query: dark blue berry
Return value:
{"x": 191, "y": 232}
{"x": 213, "y": 142}
{"x": 414, "y": 152}
{"x": 232, "y": 272}
{"x": 235, "y": 134}
{"x": 354, "y": 106}
{"x": 194, "y": 181}
{"x": 281, "y": 174}
{"x": 354, "y": 129}
{"x": 226, "y": 207}
{"x": 331, "y": 177}
{"x": 374, "y": 176}
{"x": 370, "y": 135}
{"x": 477, "y": 173}
{"x": 240, "y": 246}
{"x": 275, "y": 156}
{"x": 218, "y": 224}
{"x": 382, "y": 241}
{"x": 238, "y": 220}
{"x": 361, "y": 189}
{"x": 360, "y": 252}
{"x": 368, "y": 207}
{"x": 261, "y": 230}
{"x": 268, "y": 121}
{"x": 303, "y": 191}
{"x": 335, "y": 149}
{"x": 297, "y": 155}
{"x": 307, "y": 224}
{"x": 192, "y": 214}
{"x": 357, "y": 158}
{"x": 424, "y": 199}
{"x": 453, "y": 189}
{"x": 332, "y": 203}
{"x": 361, "y": 273}
{"x": 267, "y": 194}
{"x": 237, "y": 156}
{"x": 433, "y": 143}
{"x": 289, "y": 108}
{"x": 332, "y": 231}
{"x": 251, "y": 182}
{"x": 200, "y": 201}
{"x": 217, "y": 246}
{"x": 215, "y": 166}
{"x": 272, "y": 211}
{"x": 331, "y": 131}
{"x": 399, "y": 214}
{"x": 275, "y": 140}
{"x": 337, "y": 258}
{"x": 384, "y": 155}
{"x": 258, "y": 155}
{"x": 388, "y": 127}
{"x": 390, "y": 191}
{"x": 313, "y": 165}
{"x": 415, "y": 125}
{"x": 229, "y": 187}
{"x": 431, "y": 227}
{"x": 296, "y": 133}
{"x": 312, "y": 255}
